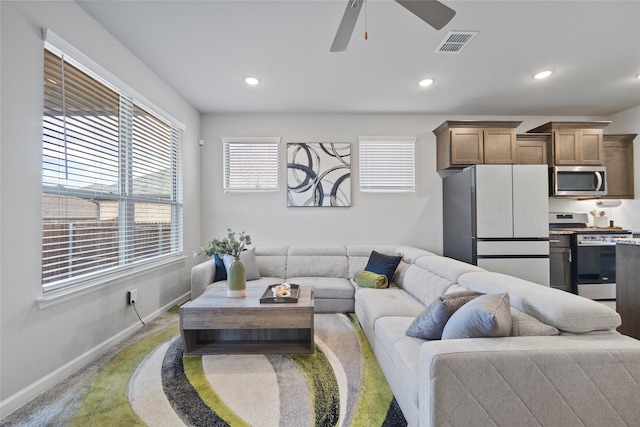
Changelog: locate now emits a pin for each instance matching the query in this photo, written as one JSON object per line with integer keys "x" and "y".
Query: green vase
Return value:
{"x": 236, "y": 279}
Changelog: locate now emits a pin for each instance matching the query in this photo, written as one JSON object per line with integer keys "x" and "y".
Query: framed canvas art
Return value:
{"x": 319, "y": 174}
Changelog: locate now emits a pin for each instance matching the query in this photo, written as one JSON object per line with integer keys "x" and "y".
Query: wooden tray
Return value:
{"x": 268, "y": 298}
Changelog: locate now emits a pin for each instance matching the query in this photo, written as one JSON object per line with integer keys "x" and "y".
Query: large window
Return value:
{"x": 251, "y": 164}
{"x": 111, "y": 178}
{"x": 387, "y": 164}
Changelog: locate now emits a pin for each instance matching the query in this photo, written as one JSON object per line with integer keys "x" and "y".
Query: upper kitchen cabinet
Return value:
{"x": 532, "y": 149}
{"x": 575, "y": 143}
{"x": 469, "y": 142}
{"x": 618, "y": 157}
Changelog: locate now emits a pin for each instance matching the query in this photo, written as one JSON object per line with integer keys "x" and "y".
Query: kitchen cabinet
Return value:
{"x": 560, "y": 261}
{"x": 532, "y": 149}
{"x": 469, "y": 142}
{"x": 575, "y": 143}
{"x": 618, "y": 157}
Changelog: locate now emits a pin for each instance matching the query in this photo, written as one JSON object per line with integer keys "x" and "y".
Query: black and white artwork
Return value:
{"x": 319, "y": 174}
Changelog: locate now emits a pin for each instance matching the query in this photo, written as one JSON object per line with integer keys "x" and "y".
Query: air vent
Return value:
{"x": 455, "y": 41}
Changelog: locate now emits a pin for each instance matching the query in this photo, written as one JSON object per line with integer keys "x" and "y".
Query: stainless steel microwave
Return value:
{"x": 578, "y": 181}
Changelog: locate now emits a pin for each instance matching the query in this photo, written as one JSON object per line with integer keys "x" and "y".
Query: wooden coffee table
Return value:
{"x": 216, "y": 324}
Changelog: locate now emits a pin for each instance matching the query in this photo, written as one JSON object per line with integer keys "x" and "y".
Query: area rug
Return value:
{"x": 150, "y": 382}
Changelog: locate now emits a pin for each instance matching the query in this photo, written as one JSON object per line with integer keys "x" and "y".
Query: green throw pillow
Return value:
{"x": 368, "y": 279}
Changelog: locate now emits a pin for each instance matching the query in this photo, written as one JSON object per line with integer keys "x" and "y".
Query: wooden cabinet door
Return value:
{"x": 467, "y": 146}
{"x": 531, "y": 152}
{"x": 566, "y": 147}
{"x": 500, "y": 146}
{"x": 618, "y": 158}
{"x": 591, "y": 147}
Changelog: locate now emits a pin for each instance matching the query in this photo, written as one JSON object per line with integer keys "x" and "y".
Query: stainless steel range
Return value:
{"x": 593, "y": 261}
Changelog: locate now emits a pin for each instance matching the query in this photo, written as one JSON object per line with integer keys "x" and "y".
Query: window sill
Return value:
{"x": 55, "y": 297}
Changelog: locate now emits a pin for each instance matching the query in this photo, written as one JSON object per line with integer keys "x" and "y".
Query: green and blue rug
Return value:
{"x": 150, "y": 382}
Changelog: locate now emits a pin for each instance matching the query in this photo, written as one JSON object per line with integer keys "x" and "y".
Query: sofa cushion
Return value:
{"x": 272, "y": 261}
{"x": 376, "y": 303}
{"x": 317, "y": 261}
{"x": 448, "y": 268}
{"x": 565, "y": 311}
{"x": 383, "y": 264}
{"x": 403, "y": 351}
{"x": 423, "y": 284}
{"x": 326, "y": 287}
{"x": 484, "y": 316}
{"x": 367, "y": 279}
{"x": 410, "y": 253}
{"x": 430, "y": 323}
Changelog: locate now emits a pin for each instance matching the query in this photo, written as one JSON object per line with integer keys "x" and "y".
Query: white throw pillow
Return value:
{"x": 248, "y": 258}
{"x": 485, "y": 316}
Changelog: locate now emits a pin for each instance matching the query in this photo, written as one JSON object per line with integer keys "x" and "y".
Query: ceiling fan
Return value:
{"x": 432, "y": 12}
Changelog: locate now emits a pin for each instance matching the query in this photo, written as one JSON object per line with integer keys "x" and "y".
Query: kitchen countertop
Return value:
{"x": 588, "y": 229}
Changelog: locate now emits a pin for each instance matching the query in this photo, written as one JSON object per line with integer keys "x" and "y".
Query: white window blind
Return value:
{"x": 111, "y": 178}
{"x": 251, "y": 164}
{"x": 387, "y": 164}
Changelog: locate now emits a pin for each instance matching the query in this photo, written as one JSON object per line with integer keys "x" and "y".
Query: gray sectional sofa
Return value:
{"x": 563, "y": 365}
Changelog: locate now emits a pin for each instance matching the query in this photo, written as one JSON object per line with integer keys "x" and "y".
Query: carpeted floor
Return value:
{"x": 148, "y": 381}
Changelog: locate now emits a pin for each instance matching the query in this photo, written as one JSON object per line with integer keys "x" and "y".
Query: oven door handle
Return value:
{"x": 599, "y": 243}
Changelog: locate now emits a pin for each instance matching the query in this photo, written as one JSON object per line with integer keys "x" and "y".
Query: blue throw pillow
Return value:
{"x": 221, "y": 271}
{"x": 383, "y": 264}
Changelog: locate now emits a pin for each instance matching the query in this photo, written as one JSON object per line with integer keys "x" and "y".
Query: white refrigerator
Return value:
{"x": 497, "y": 217}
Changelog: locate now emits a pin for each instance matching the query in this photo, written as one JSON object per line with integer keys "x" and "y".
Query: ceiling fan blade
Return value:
{"x": 432, "y": 12}
{"x": 348, "y": 23}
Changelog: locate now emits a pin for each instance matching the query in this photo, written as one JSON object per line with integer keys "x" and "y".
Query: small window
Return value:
{"x": 251, "y": 164}
{"x": 387, "y": 164}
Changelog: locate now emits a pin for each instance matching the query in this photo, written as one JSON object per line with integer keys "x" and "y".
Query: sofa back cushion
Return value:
{"x": 448, "y": 268}
{"x": 422, "y": 284}
{"x": 317, "y": 261}
{"x": 565, "y": 311}
{"x": 272, "y": 261}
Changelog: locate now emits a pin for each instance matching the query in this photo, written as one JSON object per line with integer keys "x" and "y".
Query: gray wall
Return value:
{"x": 39, "y": 347}
{"x": 408, "y": 218}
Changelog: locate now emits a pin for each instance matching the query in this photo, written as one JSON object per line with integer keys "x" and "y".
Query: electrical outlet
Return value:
{"x": 132, "y": 296}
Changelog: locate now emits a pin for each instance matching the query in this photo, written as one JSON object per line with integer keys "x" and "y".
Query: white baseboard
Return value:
{"x": 17, "y": 400}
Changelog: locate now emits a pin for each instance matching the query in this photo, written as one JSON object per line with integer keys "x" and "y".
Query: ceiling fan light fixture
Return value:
{"x": 542, "y": 74}
{"x": 426, "y": 82}
{"x": 252, "y": 81}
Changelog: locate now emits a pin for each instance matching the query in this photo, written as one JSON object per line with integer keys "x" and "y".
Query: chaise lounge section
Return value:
{"x": 562, "y": 364}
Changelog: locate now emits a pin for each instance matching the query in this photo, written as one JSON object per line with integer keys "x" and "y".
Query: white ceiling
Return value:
{"x": 204, "y": 49}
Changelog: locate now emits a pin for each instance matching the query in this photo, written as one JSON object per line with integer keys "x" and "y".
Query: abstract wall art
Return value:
{"x": 319, "y": 174}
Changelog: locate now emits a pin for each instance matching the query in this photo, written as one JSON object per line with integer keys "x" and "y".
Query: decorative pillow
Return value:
{"x": 383, "y": 264}
{"x": 221, "y": 270}
{"x": 523, "y": 324}
{"x": 430, "y": 323}
{"x": 248, "y": 258}
{"x": 367, "y": 279}
{"x": 485, "y": 316}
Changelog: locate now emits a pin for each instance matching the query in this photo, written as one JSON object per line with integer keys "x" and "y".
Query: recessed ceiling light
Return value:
{"x": 251, "y": 81}
{"x": 543, "y": 74}
{"x": 426, "y": 82}
{"x": 638, "y": 76}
